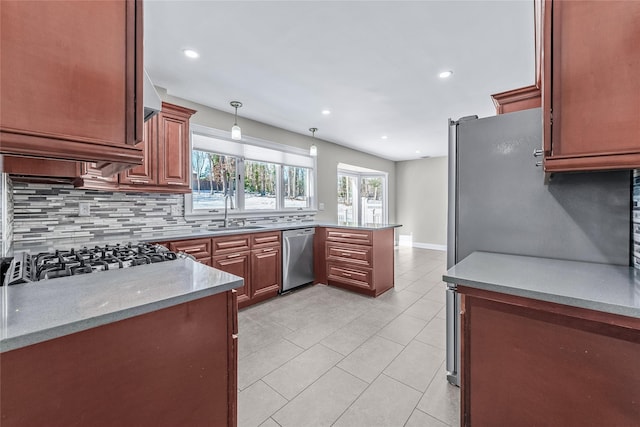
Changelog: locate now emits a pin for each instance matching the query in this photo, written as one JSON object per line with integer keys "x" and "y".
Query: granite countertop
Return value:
{"x": 602, "y": 287}
{"x": 39, "y": 311}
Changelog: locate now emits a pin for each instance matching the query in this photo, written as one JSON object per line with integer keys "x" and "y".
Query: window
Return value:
{"x": 362, "y": 195}
{"x": 296, "y": 187}
{"x": 214, "y": 177}
{"x": 253, "y": 176}
{"x": 259, "y": 185}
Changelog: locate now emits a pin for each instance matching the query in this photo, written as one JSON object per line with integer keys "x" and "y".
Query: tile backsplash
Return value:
{"x": 635, "y": 218}
{"x": 6, "y": 214}
{"x": 45, "y": 212}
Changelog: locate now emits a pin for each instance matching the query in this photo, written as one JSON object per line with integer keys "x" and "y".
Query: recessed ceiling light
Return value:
{"x": 445, "y": 74}
{"x": 190, "y": 53}
{"x": 384, "y": 137}
{"x": 326, "y": 112}
{"x": 417, "y": 151}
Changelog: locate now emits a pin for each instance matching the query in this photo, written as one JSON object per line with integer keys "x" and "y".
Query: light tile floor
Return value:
{"x": 323, "y": 356}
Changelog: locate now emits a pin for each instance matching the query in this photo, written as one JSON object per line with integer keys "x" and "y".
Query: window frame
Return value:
{"x": 359, "y": 173}
{"x": 239, "y": 211}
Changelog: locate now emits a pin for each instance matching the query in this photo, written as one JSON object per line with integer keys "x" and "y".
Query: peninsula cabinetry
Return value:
{"x": 546, "y": 363}
{"x": 174, "y": 366}
{"x": 590, "y": 85}
{"x": 356, "y": 259}
{"x": 72, "y": 81}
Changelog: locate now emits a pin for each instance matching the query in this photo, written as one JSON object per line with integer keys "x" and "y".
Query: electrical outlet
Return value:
{"x": 175, "y": 210}
{"x": 84, "y": 209}
{"x": 321, "y": 206}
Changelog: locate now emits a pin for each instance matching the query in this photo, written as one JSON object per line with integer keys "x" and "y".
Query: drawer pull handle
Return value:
{"x": 343, "y": 254}
{"x": 139, "y": 181}
{"x": 192, "y": 251}
{"x": 267, "y": 250}
{"x": 346, "y": 274}
{"x": 233, "y": 255}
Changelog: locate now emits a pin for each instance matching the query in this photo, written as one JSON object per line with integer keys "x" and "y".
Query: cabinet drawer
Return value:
{"x": 351, "y": 276}
{"x": 199, "y": 248}
{"x": 349, "y": 253}
{"x": 358, "y": 237}
{"x": 223, "y": 245}
{"x": 259, "y": 240}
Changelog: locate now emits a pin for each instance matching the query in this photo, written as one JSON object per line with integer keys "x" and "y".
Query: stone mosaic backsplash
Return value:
{"x": 45, "y": 212}
{"x": 6, "y": 214}
{"x": 636, "y": 218}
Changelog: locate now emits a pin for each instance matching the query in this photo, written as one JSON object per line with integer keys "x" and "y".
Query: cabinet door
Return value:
{"x": 591, "y": 90}
{"x": 237, "y": 263}
{"x": 173, "y": 146}
{"x": 266, "y": 273}
{"x": 71, "y": 75}
{"x": 146, "y": 173}
{"x": 198, "y": 248}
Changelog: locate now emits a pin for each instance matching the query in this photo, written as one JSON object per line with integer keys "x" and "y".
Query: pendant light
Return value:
{"x": 313, "y": 150}
{"x": 236, "y": 133}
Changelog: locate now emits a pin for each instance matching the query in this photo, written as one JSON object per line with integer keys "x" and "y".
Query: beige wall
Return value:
{"x": 329, "y": 154}
{"x": 422, "y": 201}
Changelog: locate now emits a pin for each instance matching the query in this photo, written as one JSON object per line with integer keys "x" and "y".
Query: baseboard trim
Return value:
{"x": 430, "y": 246}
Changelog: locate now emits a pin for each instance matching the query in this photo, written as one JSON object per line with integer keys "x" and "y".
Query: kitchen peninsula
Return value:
{"x": 547, "y": 341}
{"x": 155, "y": 343}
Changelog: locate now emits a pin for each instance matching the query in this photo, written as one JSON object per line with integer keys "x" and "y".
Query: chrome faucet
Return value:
{"x": 226, "y": 211}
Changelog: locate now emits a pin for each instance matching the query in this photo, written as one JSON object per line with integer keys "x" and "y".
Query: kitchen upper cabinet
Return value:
{"x": 72, "y": 81}
{"x": 173, "y": 146}
{"x": 591, "y": 89}
{"x": 165, "y": 148}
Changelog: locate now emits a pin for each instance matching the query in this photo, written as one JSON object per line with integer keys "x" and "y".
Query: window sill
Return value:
{"x": 219, "y": 216}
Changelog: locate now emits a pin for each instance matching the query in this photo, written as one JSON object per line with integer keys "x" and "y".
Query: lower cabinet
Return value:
{"x": 176, "y": 366}
{"x": 532, "y": 362}
{"x": 266, "y": 273}
{"x": 256, "y": 257}
{"x": 355, "y": 259}
{"x": 239, "y": 264}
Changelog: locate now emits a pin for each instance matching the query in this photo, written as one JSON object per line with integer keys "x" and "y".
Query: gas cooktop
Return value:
{"x": 61, "y": 263}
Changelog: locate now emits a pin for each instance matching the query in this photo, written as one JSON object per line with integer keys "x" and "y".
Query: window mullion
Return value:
{"x": 240, "y": 187}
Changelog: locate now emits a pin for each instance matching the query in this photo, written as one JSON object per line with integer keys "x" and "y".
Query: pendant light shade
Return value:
{"x": 236, "y": 132}
{"x": 313, "y": 150}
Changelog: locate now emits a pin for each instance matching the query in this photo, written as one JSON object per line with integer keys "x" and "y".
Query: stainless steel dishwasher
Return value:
{"x": 297, "y": 258}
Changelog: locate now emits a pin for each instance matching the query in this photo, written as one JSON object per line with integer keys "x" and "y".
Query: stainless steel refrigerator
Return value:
{"x": 499, "y": 202}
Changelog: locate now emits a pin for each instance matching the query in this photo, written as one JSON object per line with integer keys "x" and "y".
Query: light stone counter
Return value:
{"x": 602, "y": 287}
{"x": 39, "y": 311}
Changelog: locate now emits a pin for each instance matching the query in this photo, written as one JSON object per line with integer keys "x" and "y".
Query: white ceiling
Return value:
{"x": 374, "y": 64}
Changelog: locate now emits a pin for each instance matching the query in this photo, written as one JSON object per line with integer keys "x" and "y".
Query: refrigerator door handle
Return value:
{"x": 453, "y": 338}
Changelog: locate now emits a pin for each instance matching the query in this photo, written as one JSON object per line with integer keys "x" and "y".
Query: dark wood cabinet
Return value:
{"x": 532, "y": 362}
{"x": 166, "y": 157}
{"x": 145, "y": 173}
{"x": 173, "y": 146}
{"x": 239, "y": 264}
{"x": 266, "y": 265}
{"x": 590, "y": 85}
{"x": 72, "y": 81}
{"x": 355, "y": 259}
{"x": 174, "y": 366}
{"x": 200, "y": 249}
{"x": 256, "y": 257}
